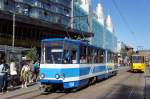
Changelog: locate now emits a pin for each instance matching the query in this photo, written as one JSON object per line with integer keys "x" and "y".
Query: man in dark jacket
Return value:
{"x": 3, "y": 76}
{"x": 6, "y": 69}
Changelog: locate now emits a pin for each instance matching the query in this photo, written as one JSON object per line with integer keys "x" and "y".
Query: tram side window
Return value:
{"x": 115, "y": 58}
{"x": 110, "y": 57}
{"x": 100, "y": 56}
{"x": 91, "y": 55}
{"x": 74, "y": 57}
{"x": 70, "y": 54}
{"x": 95, "y": 56}
{"x": 143, "y": 59}
{"x": 83, "y": 56}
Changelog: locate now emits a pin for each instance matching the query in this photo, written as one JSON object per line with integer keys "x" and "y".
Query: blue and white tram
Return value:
{"x": 73, "y": 63}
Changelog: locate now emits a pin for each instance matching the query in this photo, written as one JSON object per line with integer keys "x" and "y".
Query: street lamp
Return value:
{"x": 14, "y": 18}
{"x": 13, "y": 40}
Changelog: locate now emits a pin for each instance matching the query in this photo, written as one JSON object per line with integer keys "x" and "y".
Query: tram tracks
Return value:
{"x": 115, "y": 88}
{"x": 127, "y": 88}
{"x": 134, "y": 90}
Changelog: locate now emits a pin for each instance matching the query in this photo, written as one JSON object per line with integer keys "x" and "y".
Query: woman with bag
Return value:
{"x": 25, "y": 71}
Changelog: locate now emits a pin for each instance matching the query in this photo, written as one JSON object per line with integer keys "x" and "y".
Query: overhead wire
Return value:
{"x": 124, "y": 19}
{"x": 122, "y": 16}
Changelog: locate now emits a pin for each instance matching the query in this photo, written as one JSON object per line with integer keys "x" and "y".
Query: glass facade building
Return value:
{"x": 54, "y": 11}
{"x": 59, "y": 12}
{"x": 98, "y": 31}
{"x": 80, "y": 18}
{"x": 103, "y": 38}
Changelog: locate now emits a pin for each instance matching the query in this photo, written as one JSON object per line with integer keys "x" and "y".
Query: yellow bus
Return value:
{"x": 137, "y": 63}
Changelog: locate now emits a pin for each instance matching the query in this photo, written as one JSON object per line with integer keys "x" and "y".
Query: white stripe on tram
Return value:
{"x": 69, "y": 65}
{"x": 68, "y": 79}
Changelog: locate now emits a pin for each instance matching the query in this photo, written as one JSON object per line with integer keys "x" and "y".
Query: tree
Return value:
{"x": 32, "y": 54}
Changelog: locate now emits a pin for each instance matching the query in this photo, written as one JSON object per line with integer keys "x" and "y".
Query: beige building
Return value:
{"x": 146, "y": 53}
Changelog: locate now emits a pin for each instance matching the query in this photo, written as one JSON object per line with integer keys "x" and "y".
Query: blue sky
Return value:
{"x": 137, "y": 15}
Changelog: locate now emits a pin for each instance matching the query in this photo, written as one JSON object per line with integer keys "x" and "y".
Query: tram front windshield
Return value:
{"x": 58, "y": 52}
{"x": 137, "y": 59}
{"x": 52, "y": 52}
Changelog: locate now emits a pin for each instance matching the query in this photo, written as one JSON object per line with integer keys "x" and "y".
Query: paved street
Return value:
{"x": 125, "y": 85}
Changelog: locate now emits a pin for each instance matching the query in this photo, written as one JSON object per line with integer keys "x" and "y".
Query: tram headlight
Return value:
{"x": 42, "y": 76}
{"x": 57, "y": 76}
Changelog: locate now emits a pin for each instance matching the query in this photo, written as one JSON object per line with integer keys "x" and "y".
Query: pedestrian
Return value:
{"x": 31, "y": 73}
{"x": 25, "y": 75}
{"x": 2, "y": 76}
{"x": 13, "y": 73}
{"x": 6, "y": 70}
{"x": 36, "y": 70}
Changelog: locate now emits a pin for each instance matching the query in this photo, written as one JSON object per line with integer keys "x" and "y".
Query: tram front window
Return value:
{"x": 52, "y": 53}
{"x": 58, "y": 52}
{"x": 137, "y": 59}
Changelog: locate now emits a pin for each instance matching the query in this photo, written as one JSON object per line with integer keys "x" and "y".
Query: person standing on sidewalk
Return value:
{"x": 36, "y": 71}
{"x": 25, "y": 75}
{"x": 3, "y": 78}
{"x": 31, "y": 75}
{"x": 13, "y": 72}
{"x": 6, "y": 69}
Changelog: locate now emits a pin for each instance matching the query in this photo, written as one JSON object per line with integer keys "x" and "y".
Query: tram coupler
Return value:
{"x": 45, "y": 88}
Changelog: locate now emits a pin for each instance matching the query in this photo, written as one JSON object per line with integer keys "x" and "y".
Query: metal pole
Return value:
{"x": 72, "y": 15}
{"x": 13, "y": 40}
{"x": 90, "y": 15}
{"x": 104, "y": 39}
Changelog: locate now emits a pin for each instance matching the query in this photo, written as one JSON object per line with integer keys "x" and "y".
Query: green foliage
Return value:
{"x": 32, "y": 54}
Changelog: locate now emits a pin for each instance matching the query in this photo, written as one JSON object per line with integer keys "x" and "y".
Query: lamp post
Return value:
{"x": 13, "y": 39}
{"x": 14, "y": 20}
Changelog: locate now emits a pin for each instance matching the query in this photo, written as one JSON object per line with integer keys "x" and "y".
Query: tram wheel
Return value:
{"x": 45, "y": 89}
{"x": 74, "y": 90}
{"x": 92, "y": 80}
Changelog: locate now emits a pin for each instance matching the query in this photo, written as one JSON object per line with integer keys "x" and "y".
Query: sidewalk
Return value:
{"x": 19, "y": 91}
{"x": 147, "y": 83}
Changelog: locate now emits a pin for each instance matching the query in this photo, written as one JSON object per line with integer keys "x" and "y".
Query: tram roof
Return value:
{"x": 71, "y": 41}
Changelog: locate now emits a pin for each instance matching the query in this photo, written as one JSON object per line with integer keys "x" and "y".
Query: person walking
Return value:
{"x": 36, "y": 70}
{"x": 6, "y": 70}
{"x": 25, "y": 75}
{"x": 13, "y": 73}
{"x": 31, "y": 75}
{"x": 3, "y": 78}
